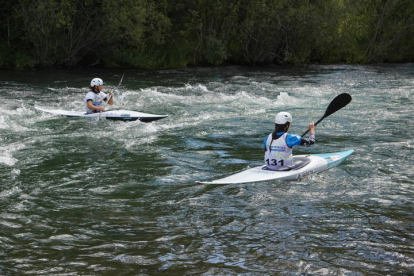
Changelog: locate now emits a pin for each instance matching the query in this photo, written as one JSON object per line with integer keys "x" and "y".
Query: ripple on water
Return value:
{"x": 82, "y": 198}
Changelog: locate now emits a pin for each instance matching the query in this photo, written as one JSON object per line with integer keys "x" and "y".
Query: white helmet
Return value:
{"x": 283, "y": 117}
{"x": 96, "y": 82}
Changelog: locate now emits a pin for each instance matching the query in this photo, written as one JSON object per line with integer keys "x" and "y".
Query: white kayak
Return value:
{"x": 303, "y": 165}
{"x": 122, "y": 115}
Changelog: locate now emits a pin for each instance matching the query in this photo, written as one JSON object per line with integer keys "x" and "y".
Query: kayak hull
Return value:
{"x": 317, "y": 163}
{"x": 118, "y": 115}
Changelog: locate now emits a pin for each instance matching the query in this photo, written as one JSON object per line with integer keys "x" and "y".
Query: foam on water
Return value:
{"x": 6, "y": 153}
{"x": 196, "y": 109}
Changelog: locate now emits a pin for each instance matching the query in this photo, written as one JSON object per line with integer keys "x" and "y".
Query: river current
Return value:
{"x": 81, "y": 197}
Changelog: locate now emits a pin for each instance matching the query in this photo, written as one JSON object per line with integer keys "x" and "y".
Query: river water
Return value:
{"x": 115, "y": 198}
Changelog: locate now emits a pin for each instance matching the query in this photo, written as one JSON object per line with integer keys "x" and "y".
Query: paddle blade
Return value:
{"x": 339, "y": 102}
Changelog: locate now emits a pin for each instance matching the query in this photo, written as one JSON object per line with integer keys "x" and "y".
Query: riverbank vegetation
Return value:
{"x": 180, "y": 33}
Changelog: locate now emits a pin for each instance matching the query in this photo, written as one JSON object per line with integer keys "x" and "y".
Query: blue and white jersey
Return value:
{"x": 278, "y": 152}
{"x": 96, "y": 99}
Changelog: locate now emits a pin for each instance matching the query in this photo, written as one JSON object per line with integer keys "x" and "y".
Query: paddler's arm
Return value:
{"x": 92, "y": 107}
{"x": 311, "y": 140}
{"x": 296, "y": 140}
{"x": 111, "y": 98}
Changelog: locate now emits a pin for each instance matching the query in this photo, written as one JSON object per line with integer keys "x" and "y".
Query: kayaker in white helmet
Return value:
{"x": 95, "y": 97}
{"x": 278, "y": 144}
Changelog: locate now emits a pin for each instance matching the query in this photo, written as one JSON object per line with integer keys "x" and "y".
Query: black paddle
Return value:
{"x": 116, "y": 88}
{"x": 339, "y": 102}
{"x": 113, "y": 91}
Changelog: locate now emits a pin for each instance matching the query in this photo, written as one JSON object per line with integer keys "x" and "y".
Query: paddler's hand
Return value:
{"x": 312, "y": 128}
{"x": 100, "y": 108}
{"x": 110, "y": 99}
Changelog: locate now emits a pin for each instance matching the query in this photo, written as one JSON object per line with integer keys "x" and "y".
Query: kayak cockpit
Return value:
{"x": 298, "y": 162}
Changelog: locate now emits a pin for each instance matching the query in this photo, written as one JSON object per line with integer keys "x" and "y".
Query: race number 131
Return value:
{"x": 273, "y": 162}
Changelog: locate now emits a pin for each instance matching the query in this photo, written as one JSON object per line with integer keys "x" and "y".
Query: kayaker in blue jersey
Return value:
{"x": 95, "y": 96}
{"x": 278, "y": 145}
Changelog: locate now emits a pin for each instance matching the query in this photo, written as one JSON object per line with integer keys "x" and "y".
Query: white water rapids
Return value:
{"x": 116, "y": 198}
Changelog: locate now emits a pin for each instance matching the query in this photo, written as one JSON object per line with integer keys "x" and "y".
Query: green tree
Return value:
{"x": 203, "y": 28}
{"x": 377, "y": 30}
{"x": 137, "y": 32}
{"x": 61, "y": 32}
{"x": 166, "y": 33}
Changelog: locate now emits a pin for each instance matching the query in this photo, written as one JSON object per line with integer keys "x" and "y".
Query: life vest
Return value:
{"x": 277, "y": 153}
{"x": 96, "y": 100}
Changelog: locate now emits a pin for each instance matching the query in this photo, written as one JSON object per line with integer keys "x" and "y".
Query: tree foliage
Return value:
{"x": 179, "y": 33}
